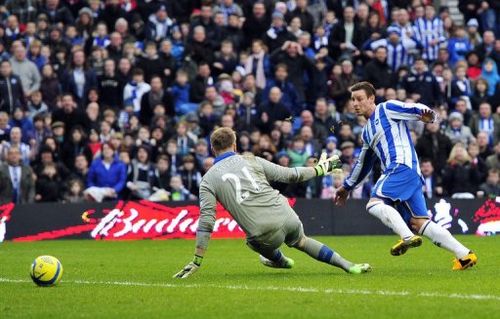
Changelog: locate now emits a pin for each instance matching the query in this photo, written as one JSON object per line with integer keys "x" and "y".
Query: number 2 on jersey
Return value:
{"x": 240, "y": 197}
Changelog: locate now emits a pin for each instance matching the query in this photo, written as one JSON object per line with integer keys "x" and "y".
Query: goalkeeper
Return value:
{"x": 241, "y": 184}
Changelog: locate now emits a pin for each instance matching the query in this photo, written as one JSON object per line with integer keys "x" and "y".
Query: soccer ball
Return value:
{"x": 46, "y": 271}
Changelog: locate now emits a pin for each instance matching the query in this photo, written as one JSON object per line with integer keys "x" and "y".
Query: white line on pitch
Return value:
{"x": 275, "y": 288}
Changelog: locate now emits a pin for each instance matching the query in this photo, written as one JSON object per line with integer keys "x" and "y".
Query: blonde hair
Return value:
{"x": 452, "y": 158}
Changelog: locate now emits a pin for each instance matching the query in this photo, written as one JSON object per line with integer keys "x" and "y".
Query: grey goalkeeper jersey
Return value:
{"x": 241, "y": 184}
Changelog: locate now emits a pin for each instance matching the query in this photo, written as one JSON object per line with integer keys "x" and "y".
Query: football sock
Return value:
{"x": 441, "y": 237}
{"x": 274, "y": 256}
{"x": 391, "y": 218}
{"x": 323, "y": 253}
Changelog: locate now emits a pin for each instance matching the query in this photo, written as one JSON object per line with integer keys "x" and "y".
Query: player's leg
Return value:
{"x": 268, "y": 248}
{"x": 296, "y": 238}
{"x": 391, "y": 187}
{"x": 440, "y": 236}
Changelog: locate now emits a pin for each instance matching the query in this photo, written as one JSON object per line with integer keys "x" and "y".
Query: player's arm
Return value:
{"x": 361, "y": 169}
{"x": 282, "y": 174}
{"x": 397, "y": 110}
{"x": 206, "y": 224}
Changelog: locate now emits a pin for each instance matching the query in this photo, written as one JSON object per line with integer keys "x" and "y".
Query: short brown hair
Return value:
{"x": 365, "y": 86}
{"x": 222, "y": 139}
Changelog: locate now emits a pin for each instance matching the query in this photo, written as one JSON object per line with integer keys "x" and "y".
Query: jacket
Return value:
{"x": 115, "y": 177}
{"x": 11, "y": 93}
{"x": 27, "y": 185}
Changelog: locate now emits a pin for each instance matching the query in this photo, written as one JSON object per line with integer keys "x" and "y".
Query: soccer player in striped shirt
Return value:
{"x": 429, "y": 31}
{"x": 241, "y": 184}
{"x": 397, "y": 198}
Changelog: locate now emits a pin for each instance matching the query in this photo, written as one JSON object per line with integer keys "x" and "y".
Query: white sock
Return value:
{"x": 441, "y": 237}
{"x": 390, "y": 217}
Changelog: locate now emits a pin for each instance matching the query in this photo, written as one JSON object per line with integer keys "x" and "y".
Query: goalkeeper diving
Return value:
{"x": 241, "y": 184}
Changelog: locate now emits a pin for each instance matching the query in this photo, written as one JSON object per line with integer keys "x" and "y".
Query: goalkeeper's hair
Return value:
{"x": 365, "y": 86}
{"x": 222, "y": 139}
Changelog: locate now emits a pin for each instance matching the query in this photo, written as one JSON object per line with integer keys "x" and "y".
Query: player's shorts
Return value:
{"x": 289, "y": 233}
{"x": 401, "y": 187}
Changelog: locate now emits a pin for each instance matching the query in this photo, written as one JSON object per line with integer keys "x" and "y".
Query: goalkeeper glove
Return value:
{"x": 190, "y": 268}
{"x": 327, "y": 165}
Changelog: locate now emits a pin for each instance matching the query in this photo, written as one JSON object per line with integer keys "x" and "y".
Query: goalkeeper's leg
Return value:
{"x": 268, "y": 248}
{"x": 317, "y": 250}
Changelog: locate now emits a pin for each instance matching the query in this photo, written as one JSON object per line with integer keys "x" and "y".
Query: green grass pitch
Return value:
{"x": 132, "y": 279}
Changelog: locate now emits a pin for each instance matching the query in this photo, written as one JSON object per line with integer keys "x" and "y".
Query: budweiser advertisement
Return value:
{"x": 134, "y": 220}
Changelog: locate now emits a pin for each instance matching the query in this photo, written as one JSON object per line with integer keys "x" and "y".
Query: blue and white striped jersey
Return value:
{"x": 397, "y": 54}
{"x": 386, "y": 136}
{"x": 426, "y": 31}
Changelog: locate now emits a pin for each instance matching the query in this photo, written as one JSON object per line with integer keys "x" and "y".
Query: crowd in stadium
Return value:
{"x": 111, "y": 99}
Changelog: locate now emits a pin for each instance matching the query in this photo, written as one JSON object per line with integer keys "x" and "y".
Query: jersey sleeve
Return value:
{"x": 208, "y": 202}
{"x": 282, "y": 174}
{"x": 362, "y": 168}
{"x": 397, "y": 110}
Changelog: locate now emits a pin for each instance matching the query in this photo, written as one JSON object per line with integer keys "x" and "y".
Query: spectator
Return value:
{"x": 432, "y": 181}
{"x": 347, "y": 37}
{"x": 141, "y": 176}
{"x": 16, "y": 180}
{"x": 50, "y": 88}
{"x": 289, "y": 96}
{"x": 68, "y": 113}
{"x": 421, "y": 86}
{"x": 341, "y": 84}
{"x": 429, "y": 31}
{"x": 272, "y": 110}
{"x": 490, "y": 188}
{"x": 258, "y": 64}
{"x": 74, "y": 193}
{"x": 200, "y": 47}
{"x": 378, "y": 72}
{"x": 80, "y": 79}
{"x": 297, "y": 152}
{"x": 11, "y": 89}
{"x": 190, "y": 176}
{"x": 277, "y": 34}
{"x": 490, "y": 74}
{"x": 26, "y": 70}
{"x": 159, "y": 25}
{"x": 106, "y": 177}
{"x": 49, "y": 185}
{"x": 178, "y": 192}
{"x": 134, "y": 90}
{"x": 36, "y": 105}
{"x": 200, "y": 83}
{"x": 460, "y": 177}
{"x": 57, "y": 13}
{"x": 435, "y": 146}
{"x": 156, "y": 96}
{"x": 15, "y": 141}
{"x": 256, "y": 24}
{"x": 485, "y": 121}
{"x": 457, "y": 131}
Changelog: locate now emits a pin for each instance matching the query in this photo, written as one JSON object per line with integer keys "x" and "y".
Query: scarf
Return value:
{"x": 260, "y": 77}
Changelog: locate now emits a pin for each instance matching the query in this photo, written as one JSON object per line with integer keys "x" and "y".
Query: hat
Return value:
{"x": 330, "y": 139}
{"x": 394, "y": 29}
{"x": 282, "y": 154}
{"x": 224, "y": 76}
{"x": 202, "y": 141}
{"x": 346, "y": 144}
{"x": 161, "y": 8}
{"x": 191, "y": 118}
{"x": 278, "y": 15}
{"x": 57, "y": 124}
{"x": 456, "y": 116}
{"x": 473, "y": 23}
{"x": 85, "y": 10}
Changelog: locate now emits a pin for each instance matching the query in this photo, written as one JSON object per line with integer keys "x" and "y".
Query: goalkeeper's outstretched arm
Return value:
{"x": 282, "y": 174}
{"x": 206, "y": 224}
